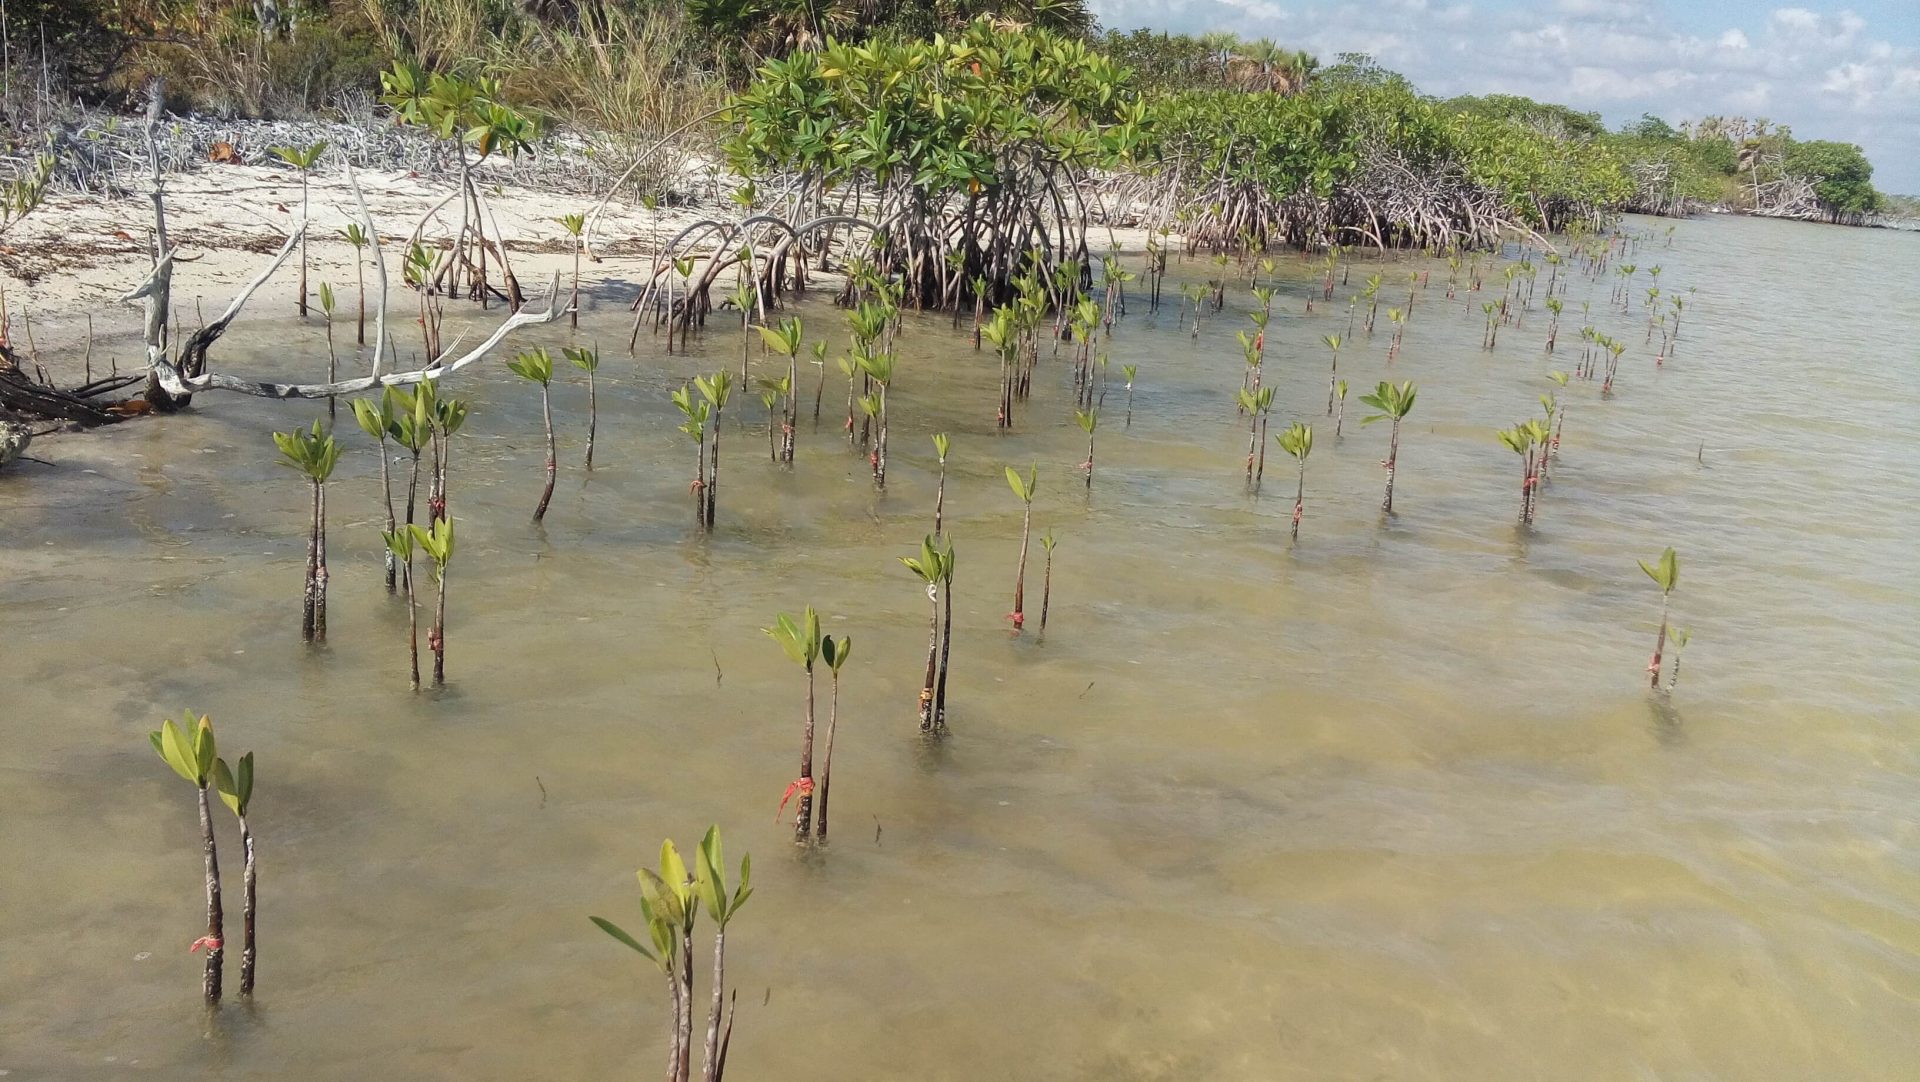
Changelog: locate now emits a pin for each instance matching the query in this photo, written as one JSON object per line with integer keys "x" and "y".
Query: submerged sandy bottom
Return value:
{"x": 1393, "y": 803}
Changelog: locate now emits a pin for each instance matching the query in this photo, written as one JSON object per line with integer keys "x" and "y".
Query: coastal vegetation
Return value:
{"x": 927, "y": 161}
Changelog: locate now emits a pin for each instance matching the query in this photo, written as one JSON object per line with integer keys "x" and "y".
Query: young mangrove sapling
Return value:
{"x": 1297, "y": 441}
{"x": 192, "y": 757}
{"x": 437, "y": 542}
{"x": 1394, "y": 403}
{"x": 1024, "y": 488}
{"x": 236, "y": 791}
{"x": 588, "y": 361}
{"x": 835, "y": 653}
{"x": 1665, "y": 574}
{"x": 801, "y": 641}
{"x": 314, "y": 454}
{"x": 536, "y": 366}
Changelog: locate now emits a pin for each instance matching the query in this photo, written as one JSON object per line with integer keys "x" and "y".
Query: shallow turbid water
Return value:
{"x": 1395, "y": 803}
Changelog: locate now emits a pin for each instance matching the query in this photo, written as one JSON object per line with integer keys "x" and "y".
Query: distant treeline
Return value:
{"x": 1278, "y": 118}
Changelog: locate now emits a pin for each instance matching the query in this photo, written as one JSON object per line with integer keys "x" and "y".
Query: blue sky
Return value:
{"x": 1831, "y": 71}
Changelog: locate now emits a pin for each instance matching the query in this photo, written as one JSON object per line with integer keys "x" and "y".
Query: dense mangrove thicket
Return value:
{"x": 1361, "y": 157}
{"x": 968, "y": 155}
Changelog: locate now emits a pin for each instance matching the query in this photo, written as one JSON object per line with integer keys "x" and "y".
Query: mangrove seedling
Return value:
{"x": 835, "y": 653}
{"x": 357, "y": 237}
{"x": 785, "y": 340}
{"x": 575, "y": 224}
{"x": 715, "y": 390}
{"x": 1398, "y": 318}
{"x": 1257, "y": 405}
{"x": 1519, "y": 440}
{"x": 1129, "y": 371}
{"x": 820, "y": 386}
{"x": 941, "y": 445}
{"x": 770, "y": 392}
{"x": 1089, "y": 420}
{"x": 879, "y": 369}
{"x": 1679, "y": 638}
{"x": 236, "y": 792}
{"x": 697, "y": 411}
{"x": 191, "y": 755}
{"x": 1340, "y": 412}
{"x": 302, "y": 159}
{"x": 449, "y": 417}
{"x": 931, "y": 566}
{"x": 670, "y": 900}
{"x": 536, "y": 366}
{"x": 400, "y": 547}
{"x": 375, "y": 417}
{"x": 1333, "y": 378}
{"x": 333, "y": 356}
{"x": 801, "y": 641}
{"x": 314, "y": 454}
{"x": 1046, "y": 580}
{"x": 1554, "y": 305}
{"x": 1394, "y": 403}
{"x": 946, "y": 641}
{"x": 437, "y": 542}
{"x": 1560, "y": 414}
{"x": 588, "y": 361}
{"x": 1024, "y": 488}
{"x": 1297, "y": 441}
{"x": 1665, "y": 574}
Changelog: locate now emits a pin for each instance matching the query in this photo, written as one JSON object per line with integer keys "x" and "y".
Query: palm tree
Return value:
{"x": 302, "y": 160}
{"x": 437, "y": 542}
{"x": 536, "y": 366}
{"x": 1394, "y": 403}
{"x": 574, "y": 224}
{"x": 588, "y": 361}
{"x": 1297, "y": 441}
{"x": 376, "y": 419}
{"x": 357, "y": 237}
{"x": 930, "y": 565}
{"x": 1220, "y": 46}
{"x": 1024, "y": 488}
{"x": 801, "y": 641}
{"x": 1266, "y": 56}
{"x": 236, "y": 791}
{"x": 835, "y": 653}
{"x": 1665, "y": 574}
{"x": 192, "y": 757}
{"x": 314, "y": 454}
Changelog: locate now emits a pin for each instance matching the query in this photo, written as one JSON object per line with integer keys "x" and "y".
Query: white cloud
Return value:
{"x": 1829, "y": 75}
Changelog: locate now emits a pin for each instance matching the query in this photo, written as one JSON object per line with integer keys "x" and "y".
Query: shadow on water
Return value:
{"x": 1664, "y": 720}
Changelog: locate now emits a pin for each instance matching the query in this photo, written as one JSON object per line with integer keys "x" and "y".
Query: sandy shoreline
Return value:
{"x": 75, "y": 256}
{"x": 65, "y": 267}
